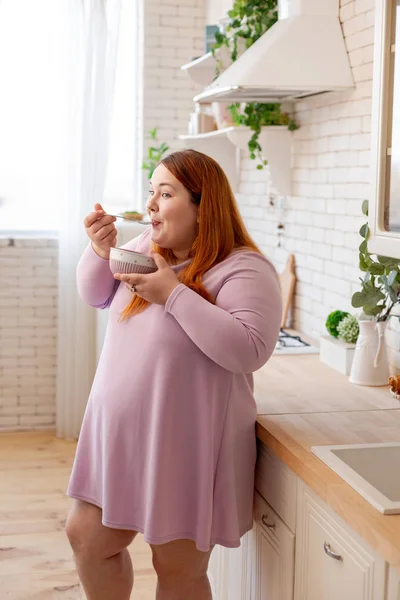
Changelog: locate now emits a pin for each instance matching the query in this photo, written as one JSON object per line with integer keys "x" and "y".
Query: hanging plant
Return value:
{"x": 256, "y": 115}
{"x": 247, "y": 22}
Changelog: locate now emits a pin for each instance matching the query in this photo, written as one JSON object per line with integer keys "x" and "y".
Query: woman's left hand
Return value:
{"x": 154, "y": 287}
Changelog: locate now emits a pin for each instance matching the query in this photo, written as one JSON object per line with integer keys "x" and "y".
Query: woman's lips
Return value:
{"x": 155, "y": 223}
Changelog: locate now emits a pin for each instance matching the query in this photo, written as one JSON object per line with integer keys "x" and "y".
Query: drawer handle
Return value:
{"x": 265, "y": 522}
{"x": 330, "y": 553}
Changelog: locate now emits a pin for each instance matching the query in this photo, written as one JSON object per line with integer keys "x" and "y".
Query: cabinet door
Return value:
{"x": 332, "y": 561}
{"x": 230, "y": 571}
{"x": 394, "y": 585}
{"x": 273, "y": 561}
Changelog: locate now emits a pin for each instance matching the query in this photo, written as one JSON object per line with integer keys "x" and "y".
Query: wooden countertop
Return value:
{"x": 303, "y": 403}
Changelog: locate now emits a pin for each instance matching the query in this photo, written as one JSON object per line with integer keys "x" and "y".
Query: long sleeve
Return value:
{"x": 240, "y": 330}
{"x": 96, "y": 283}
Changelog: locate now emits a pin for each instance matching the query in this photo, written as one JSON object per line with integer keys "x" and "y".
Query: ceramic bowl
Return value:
{"x": 128, "y": 261}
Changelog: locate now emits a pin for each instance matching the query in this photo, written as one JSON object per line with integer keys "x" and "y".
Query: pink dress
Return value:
{"x": 167, "y": 445}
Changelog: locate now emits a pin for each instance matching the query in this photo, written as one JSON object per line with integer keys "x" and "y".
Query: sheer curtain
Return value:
{"x": 93, "y": 28}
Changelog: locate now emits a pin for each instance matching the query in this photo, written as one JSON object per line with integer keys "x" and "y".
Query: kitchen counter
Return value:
{"x": 303, "y": 403}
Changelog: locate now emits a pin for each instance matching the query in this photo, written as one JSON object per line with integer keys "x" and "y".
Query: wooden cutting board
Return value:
{"x": 287, "y": 280}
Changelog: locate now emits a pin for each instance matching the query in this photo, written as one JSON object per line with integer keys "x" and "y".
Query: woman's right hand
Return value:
{"x": 101, "y": 230}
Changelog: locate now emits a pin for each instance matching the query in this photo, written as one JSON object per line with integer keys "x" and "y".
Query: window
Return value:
{"x": 384, "y": 209}
{"x": 33, "y": 90}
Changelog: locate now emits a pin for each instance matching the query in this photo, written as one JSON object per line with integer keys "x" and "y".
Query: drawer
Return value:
{"x": 277, "y": 484}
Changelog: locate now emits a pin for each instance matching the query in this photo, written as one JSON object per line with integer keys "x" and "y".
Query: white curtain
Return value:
{"x": 93, "y": 28}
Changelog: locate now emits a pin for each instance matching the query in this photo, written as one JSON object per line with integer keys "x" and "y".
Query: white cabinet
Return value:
{"x": 332, "y": 561}
{"x": 273, "y": 555}
{"x": 394, "y": 585}
{"x": 230, "y": 571}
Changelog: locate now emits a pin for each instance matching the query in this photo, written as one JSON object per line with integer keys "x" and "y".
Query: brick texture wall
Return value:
{"x": 330, "y": 179}
{"x": 173, "y": 35}
{"x": 28, "y": 333}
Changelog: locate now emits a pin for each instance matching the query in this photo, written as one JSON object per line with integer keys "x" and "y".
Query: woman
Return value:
{"x": 167, "y": 445}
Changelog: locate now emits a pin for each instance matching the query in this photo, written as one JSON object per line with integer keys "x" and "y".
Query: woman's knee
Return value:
{"x": 88, "y": 536}
{"x": 179, "y": 563}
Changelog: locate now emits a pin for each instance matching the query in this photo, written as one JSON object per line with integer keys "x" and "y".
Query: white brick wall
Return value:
{"x": 330, "y": 180}
{"x": 28, "y": 333}
{"x": 173, "y": 35}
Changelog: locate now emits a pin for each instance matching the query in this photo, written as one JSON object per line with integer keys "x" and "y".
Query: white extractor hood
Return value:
{"x": 303, "y": 54}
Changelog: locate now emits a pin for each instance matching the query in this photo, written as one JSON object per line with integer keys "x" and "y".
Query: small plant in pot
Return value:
{"x": 380, "y": 286}
{"x": 247, "y": 21}
{"x": 155, "y": 153}
{"x": 379, "y": 293}
{"x": 343, "y": 326}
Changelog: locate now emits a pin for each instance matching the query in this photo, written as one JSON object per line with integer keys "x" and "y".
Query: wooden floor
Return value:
{"x": 35, "y": 557}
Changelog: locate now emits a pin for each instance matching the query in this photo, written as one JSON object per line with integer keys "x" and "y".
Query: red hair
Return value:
{"x": 221, "y": 228}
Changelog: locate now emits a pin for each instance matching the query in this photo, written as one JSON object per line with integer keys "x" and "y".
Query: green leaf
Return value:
{"x": 392, "y": 277}
{"x": 376, "y": 269}
{"x": 362, "y": 263}
{"x": 363, "y": 247}
{"x": 373, "y": 311}
{"x": 364, "y": 230}
{"x": 364, "y": 208}
{"x": 385, "y": 260}
{"x": 358, "y": 300}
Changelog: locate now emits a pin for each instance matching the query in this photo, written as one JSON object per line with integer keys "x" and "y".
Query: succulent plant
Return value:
{"x": 333, "y": 321}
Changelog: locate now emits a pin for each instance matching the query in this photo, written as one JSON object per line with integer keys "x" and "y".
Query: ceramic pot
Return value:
{"x": 370, "y": 364}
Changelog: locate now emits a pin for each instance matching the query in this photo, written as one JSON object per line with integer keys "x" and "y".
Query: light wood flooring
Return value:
{"x": 35, "y": 558}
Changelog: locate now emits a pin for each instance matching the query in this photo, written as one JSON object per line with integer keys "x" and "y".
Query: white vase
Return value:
{"x": 370, "y": 364}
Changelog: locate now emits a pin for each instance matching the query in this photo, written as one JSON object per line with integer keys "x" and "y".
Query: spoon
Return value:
{"x": 129, "y": 219}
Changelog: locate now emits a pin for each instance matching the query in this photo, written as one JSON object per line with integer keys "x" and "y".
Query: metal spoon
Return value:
{"x": 129, "y": 219}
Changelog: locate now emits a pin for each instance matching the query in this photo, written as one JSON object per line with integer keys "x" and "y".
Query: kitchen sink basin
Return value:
{"x": 373, "y": 470}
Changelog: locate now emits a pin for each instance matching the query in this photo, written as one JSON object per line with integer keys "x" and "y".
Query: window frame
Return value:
{"x": 381, "y": 241}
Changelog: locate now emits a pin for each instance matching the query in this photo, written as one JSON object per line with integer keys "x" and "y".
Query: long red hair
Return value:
{"x": 221, "y": 228}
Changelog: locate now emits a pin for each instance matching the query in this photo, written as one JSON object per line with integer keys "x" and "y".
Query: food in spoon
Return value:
{"x": 133, "y": 215}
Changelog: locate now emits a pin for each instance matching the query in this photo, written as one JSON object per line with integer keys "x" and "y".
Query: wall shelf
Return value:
{"x": 202, "y": 70}
{"x": 223, "y": 146}
{"x": 217, "y": 145}
{"x": 276, "y": 144}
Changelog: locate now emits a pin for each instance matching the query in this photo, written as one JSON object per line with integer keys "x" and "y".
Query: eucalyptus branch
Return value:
{"x": 380, "y": 287}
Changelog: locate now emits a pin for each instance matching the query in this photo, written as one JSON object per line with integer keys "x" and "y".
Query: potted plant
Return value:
{"x": 247, "y": 21}
{"x": 155, "y": 153}
{"x": 379, "y": 294}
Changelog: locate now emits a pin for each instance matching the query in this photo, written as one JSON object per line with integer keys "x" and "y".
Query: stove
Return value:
{"x": 293, "y": 344}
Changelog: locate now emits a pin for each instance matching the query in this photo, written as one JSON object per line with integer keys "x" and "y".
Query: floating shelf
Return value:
{"x": 217, "y": 145}
{"x": 203, "y": 70}
{"x": 276, "y": 144}
{"x": 223, "y": 146}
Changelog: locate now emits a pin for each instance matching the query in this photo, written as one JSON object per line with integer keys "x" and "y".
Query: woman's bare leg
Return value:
{"x": 181, "y": 571}
{"x": 103, "y": 562}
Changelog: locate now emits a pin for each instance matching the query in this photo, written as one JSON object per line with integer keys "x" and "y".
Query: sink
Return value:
{"x": 373, "y": 470}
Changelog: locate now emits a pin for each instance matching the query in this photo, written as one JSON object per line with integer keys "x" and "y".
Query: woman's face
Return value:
{"x": 172, "y": 212}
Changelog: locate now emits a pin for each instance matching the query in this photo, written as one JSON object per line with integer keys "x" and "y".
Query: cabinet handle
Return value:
{"x": 329, "y": 552}
{"x": 265, "y": 522}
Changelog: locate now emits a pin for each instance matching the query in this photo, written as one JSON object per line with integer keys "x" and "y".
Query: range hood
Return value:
{"x": 301, "y": 55}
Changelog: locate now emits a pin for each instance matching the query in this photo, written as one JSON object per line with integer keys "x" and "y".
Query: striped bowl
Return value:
{"x": 128, "y": 261}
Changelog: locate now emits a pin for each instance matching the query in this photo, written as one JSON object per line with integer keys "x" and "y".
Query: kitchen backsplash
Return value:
{"x": 330, "y": 181}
